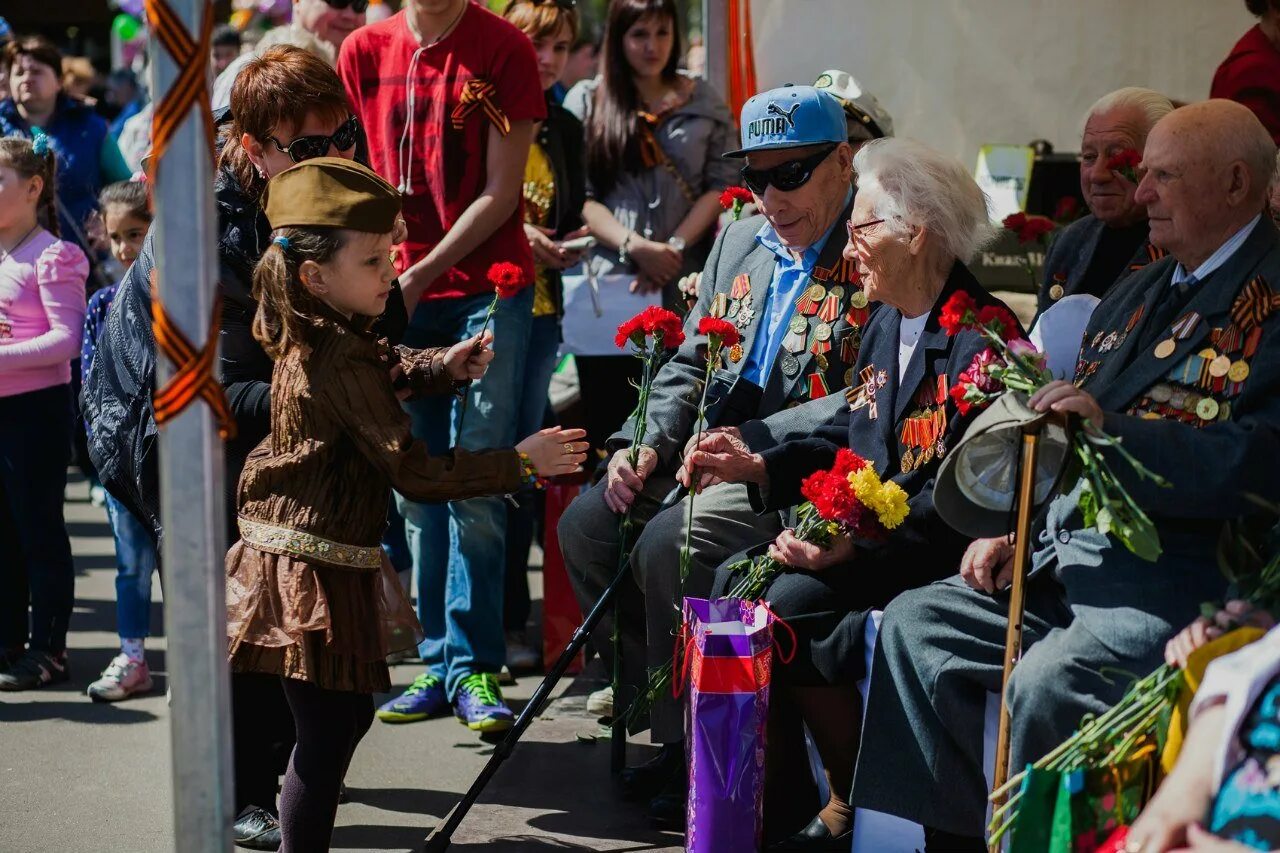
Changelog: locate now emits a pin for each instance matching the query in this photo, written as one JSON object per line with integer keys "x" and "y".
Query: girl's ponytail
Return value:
{"x": 285, "y": 307}
{"x": 47, "y": 207}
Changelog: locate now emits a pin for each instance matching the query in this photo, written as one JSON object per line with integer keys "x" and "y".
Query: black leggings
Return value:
{"x": 330, "y": 723}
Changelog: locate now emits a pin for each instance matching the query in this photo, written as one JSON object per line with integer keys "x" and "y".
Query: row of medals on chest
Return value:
{"x": 811, "y": 326}
{"x": 1199, "y": 371}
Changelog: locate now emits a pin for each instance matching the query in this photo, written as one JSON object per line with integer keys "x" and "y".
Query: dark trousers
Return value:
{"x": 330, "y": 724}
{"x": 263, "y": 734}
{"x": 36, "y": 566}
{"x": 609, "y": 395}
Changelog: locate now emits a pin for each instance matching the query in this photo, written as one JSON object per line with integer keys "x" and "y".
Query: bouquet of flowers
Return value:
{"x": 1013, "y": 363}
{"x": 734, "y": 199}
{"x": 1140, "y": 721}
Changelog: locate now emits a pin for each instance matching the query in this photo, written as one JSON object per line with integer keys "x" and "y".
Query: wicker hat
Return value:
{"x": 331, "y": 192}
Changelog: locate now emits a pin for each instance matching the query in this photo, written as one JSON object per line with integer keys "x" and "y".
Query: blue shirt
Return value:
{"x": 1218, "y": 258}
{"x": 790, "y": 277}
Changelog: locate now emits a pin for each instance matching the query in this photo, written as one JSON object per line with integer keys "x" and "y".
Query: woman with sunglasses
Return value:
{"x": 264, "y": 135}
{"x": 655, "y": 171}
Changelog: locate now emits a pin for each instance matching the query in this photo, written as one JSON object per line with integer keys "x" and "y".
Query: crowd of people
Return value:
{"x": 394, "y": 430}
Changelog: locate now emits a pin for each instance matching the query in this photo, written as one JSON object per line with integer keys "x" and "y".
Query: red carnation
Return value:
{"x": 1005, "y": 324}
{"x": 735, "y": 196}
{"x": 1028, "y": 228}
{"x": 507, "y": 278}
{"x": 847, "y": 462}
{"x": 960, "y": 393}
{"x": 1067, "y": 209}
{"x": 1129, "y": 158}
{"x": 722, "y": 330}
{"x": 832, "y": 496}
{"x": 653, "y": 321}
{"x": 959, "y": 313}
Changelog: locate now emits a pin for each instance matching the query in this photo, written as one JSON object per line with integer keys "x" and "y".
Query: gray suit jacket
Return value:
{"x": 1068, "y": 259}
{"x": 1213, "y": 466}
{"x": 785, "y": 410}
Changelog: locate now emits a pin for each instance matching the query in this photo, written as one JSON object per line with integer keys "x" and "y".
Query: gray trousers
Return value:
{"x": 648, "y": 608}
{"x": 940, "y": 652}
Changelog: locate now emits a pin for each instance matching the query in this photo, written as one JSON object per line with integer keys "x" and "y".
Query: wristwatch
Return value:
{"x": 623, "y": 257}
{"x": 677, "y": 243}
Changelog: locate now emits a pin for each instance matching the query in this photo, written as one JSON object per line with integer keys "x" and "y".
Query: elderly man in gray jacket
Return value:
{"x": 779, "y": 277}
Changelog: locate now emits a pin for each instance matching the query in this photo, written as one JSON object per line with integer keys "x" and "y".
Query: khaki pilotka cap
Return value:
{"x": 331, "y": 192}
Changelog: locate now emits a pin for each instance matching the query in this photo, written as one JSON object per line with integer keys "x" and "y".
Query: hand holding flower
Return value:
{"x": 722, "y": 457}
{"x": 1064, "y": 397}
{"x": 469, "y": 359}
{"x": 795, "y": 553}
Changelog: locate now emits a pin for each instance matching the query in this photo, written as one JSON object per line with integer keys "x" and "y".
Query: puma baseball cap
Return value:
{"x": 790, "y": 117}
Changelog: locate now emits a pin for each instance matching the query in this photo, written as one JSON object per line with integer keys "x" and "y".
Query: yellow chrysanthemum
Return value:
{"x": 887, "y": 500}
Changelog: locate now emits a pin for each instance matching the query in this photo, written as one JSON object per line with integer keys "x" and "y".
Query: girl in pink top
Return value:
{"x": 42, "y": 306}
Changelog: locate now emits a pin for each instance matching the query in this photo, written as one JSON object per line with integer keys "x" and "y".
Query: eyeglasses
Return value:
{"x": 854, "y": 229}
{"x": 357, "y": 6}
{"x": 788, "y": 176}
{"x": 311, "y": 147}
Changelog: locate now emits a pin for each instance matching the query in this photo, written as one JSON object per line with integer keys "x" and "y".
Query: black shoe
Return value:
{"x": 644, "y": 781}
{"x": 35, "y": 669}
{"x": 668, "y": 809}
{"x": 814, "y": 837}
{"x": 257, "y": 829}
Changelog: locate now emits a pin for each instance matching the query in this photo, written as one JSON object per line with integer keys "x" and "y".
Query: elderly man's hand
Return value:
{"x": 987, "y": 565}
{"x": 1201, "y": 632}
{"x": 721, "y": 457}
{"x": 1064, "y": 397}
{"x": 692, "y": 444}
{"x": 622, "y": 482}
{"x": 798, "y": 554}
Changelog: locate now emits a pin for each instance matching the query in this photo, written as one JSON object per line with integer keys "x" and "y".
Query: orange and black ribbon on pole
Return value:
{"x": 194, "y": 374}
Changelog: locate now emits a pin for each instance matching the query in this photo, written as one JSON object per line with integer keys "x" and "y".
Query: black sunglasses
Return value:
{"x": 357, "y": 6}
{"x": 788, "y": 176}
{"x": 311, "y": 147}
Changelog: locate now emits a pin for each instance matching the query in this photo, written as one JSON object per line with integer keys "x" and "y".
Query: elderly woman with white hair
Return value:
{"x": 917, "y": 220}
{"x": 1112, "y": 239}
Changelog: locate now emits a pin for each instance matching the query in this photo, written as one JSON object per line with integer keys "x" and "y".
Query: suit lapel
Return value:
{"x": 1137, "y": 371}
{"x": 875, "y": 439}
{"x": 1088, "y": 246}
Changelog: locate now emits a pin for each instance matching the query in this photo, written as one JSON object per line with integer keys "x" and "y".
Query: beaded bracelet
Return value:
{"x": 529, "y": 473}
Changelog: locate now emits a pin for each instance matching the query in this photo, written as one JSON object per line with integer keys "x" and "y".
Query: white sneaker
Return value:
{"x": 121, "y": 679}
{"x": 600, "y": 703}
{"x": 97, "y": 495}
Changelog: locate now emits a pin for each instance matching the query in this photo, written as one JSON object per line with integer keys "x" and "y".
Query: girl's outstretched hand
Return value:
{"x": 556, "y": 450}
{"x": 469, "y": 359}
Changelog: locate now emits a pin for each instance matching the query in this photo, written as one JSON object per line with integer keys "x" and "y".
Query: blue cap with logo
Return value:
{"x": 790, "y": 117}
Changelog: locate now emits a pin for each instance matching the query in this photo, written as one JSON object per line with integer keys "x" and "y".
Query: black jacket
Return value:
{"x": 117, "y": 390}
{"x": 561, "y": 136}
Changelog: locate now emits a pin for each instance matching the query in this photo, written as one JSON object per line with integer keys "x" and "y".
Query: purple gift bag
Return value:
{"x": 728, "y": 658}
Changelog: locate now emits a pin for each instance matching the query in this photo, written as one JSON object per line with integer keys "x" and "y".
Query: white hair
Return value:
{"x": 1153, "y": 105}
{"x": 923, "y": 187}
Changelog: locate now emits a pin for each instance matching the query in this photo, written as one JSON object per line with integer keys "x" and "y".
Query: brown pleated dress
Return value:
{"x": 310, "y": 594}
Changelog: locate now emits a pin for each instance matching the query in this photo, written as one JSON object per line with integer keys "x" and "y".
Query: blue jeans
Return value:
{"x": 459, "y": 548}
{"x": 135, "y": 563}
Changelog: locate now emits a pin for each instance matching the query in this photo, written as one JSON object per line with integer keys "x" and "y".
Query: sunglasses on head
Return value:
{"x": 311, "y": 147}
{"x": 788, "y": 176}
{"x": 357, "y": 6}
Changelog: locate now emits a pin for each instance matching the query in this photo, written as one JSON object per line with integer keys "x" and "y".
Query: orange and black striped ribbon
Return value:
{"x": 477, "y": 93}
{"x": 1254, "y": 304}
{"x": 194, "y": 374}
{"x": 1153, "y": 254}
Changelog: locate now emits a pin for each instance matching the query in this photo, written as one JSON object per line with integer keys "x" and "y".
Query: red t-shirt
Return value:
{"x": 1251, "y": 76}
{"x": 440, "y": 169}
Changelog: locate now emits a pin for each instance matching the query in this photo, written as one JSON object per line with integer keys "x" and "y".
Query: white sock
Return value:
{"x": 133, "y": 648}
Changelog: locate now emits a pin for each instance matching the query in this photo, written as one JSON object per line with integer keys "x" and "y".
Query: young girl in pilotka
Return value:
{"x": 310, "y": 595}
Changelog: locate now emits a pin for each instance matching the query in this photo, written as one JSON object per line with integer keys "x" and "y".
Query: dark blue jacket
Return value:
{"x": 77, "y": 134}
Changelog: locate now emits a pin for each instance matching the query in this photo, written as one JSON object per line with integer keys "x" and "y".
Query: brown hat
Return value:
{"x": 332, "y": 192}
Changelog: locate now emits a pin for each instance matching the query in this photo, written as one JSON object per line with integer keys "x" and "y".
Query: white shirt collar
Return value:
{"x": 1218, "y": 258}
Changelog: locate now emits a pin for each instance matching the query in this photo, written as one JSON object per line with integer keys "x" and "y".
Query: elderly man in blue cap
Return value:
{"x": 779, "y": 277}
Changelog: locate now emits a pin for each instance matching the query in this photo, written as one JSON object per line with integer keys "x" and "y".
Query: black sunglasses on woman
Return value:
{"x": 311, "y": 147}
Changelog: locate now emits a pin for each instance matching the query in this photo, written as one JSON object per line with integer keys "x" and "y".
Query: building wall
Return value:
{"x": 960, "y": 73}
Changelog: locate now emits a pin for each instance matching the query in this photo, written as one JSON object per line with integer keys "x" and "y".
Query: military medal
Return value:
{"x": 790, "y": 365}
{"x": 858, "y": 300}
{"x": 1109, "y": 342}
{"x": 1058, "y": 289}
{"x": 741, "y": 287}
{"x": 908, "y": 461}
{"x": 1182, "y": 329}
{"x": 821, "y": 341}
{"x": 1220, "y": 366}
{"x": 848, "y": 377}
{"x": 1207, "y": 409}
{"x": 719, "y": 305}
{"x": 849, "y": 347}
{"x": 864, "y": 396}
{"x": 818, "y": 386}
{"x": 809, "y": 301}
{"x": 1239, "y": 371}
{"x": 830, "y": 309}
{"x": 735, "y": 353}
{"x": 795, "y": 339}
{"x": 746, "y": 316}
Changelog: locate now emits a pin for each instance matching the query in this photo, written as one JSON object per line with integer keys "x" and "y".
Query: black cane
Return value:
{"x": 442, "y": 836}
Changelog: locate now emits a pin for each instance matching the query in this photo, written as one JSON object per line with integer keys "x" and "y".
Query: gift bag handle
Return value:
{"x": 782, "y": 656}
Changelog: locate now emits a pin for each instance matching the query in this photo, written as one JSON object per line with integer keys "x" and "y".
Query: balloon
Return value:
{"x": 130, "y": 7}
{"x": 126, "y": 27}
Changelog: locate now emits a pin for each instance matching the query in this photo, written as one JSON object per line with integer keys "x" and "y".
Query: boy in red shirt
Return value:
{"x": 448, "y": 94}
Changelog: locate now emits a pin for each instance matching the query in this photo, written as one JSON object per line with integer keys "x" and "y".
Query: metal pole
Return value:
{"x": 716, "y": 32}
{"x": 1017, "y": 595}
{"x": 191, "y": 485}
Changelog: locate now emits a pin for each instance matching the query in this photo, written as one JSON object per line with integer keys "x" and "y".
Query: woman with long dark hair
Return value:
{"x": 655, "y": 170}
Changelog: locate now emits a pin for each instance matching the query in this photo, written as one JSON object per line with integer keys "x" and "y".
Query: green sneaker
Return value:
{"x": 479, "y": 705}
{"x": 424, "y": 699}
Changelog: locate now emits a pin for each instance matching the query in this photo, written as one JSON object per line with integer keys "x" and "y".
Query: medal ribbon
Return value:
{"x": 477, "y": 93}
{"x": 1254, "y": 304}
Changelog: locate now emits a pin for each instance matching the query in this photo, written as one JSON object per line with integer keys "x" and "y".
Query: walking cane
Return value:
{"x": 1017, "y": 593}
{"x": 442, "y": 836}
